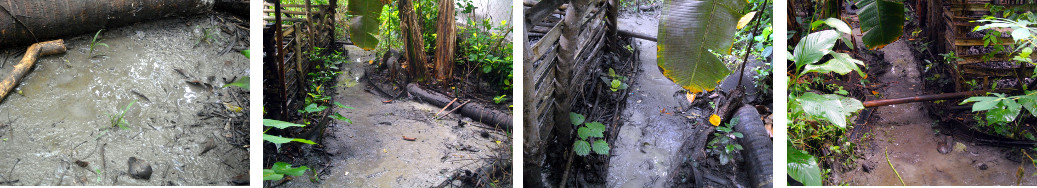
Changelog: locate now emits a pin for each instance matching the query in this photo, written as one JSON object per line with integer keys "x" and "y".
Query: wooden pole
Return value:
{"x": 445, "y": 41}
{"x": 25, "y": 65}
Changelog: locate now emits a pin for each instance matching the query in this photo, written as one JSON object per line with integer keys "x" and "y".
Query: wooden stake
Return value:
{"x": 25, "y": 65}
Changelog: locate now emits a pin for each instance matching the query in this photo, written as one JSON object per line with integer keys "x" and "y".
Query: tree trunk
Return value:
{"x": 412, "y": 41}
{"x": 446, "y": 38}
{"x": 568, "y": 45}
{"x": 23, "y": 22}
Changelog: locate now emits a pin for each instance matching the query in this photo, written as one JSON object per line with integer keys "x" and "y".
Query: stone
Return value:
{"x": 139, "y": 169}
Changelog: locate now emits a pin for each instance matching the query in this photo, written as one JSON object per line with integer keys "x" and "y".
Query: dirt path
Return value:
{"x": 906, "y": 131}
{"x": 648, "y": 139}
{"x": 63, "y": 112}
{"x": 371, "y": 152}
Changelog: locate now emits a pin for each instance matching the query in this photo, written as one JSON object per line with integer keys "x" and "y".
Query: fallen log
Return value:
{"x": 942, "y": 96}
{"x": 637, "y": 35}
{"x": 23, "y": 22}
{"x": 23, "y": 66}
{"x": 475, "y": 111}
{"x": 758, "y": 146}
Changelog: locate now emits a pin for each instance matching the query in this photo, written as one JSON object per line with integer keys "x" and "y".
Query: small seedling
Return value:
{"x": 593, "y": 131}
{"x": 96, "y": 42}
{"x": 500, "y": 99}
{"x": 119, "y": 120}
{"x": 723, "y": 144}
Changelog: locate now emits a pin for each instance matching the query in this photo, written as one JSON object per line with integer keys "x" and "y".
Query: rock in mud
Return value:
{"x": 944, "y": 146}
{"x": 207, "y": 145}
{"x": 867, "y": 167}
{"x": 139, "y": 169}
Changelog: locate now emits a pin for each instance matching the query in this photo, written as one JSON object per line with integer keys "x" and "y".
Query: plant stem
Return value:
{"x": 885, "y": 150}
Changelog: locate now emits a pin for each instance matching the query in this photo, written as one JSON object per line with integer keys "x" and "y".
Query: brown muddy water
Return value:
{"x": 62, "y": 113}
{"x": 371, "y": 152}
{"x": 907, "y": 132}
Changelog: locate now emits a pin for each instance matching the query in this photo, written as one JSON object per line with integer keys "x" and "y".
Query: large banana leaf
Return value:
{"x": 364, "y": 25}
{"x": 882, "y": 22}
{"x": 688, "y": 30}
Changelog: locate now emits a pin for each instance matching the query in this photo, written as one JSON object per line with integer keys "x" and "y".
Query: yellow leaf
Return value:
{"x": 498, "y": 142}
{"x": 745, "y": 19}
{"x": 690, "y": 96}
{"x": 714, "y": 119}
{"x": 874, "y": 92}
{"x": 232, "y": 107}
{"x": 385, "y": 151}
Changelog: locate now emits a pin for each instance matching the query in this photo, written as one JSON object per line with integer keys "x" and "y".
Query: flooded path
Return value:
{"x": 649, "y": 139}
{"x": 371, "y": 152}
{"x": 63, "y": 112}
{"x": 906, "y": 132}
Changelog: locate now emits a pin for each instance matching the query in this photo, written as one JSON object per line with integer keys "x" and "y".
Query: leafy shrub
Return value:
{"x": 591, "y": 136}
{"x": 723, "y": 145}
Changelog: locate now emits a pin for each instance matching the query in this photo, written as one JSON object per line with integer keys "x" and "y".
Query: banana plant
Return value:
{"x": 363, "y": 26}
{"x": 882, "y": 22}
{"x": 690, "y": 31}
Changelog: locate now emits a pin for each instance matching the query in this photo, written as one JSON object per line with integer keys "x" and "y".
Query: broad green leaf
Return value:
{"x": 286, "y": 169}
{"x": 838, "y": 25}
{"x": 882, "y": 22}
{"x": 601, "y": 147}
{"x": 841, "y": 63}
{"x": 582, "y": 148}
{"x": 1029, "y": 102}
{"x": 584, "y": 132}
{"x": 313, "y": 107}
{"x": 341, "y": 118}
{"x": 364, "y": 25}
{"x": 810, "y": 49}
{"x": 1020, "y": 34}
{"x": 982, "y": 103}
{"x": 596, "y": 129}
{"x": 745, "y": 20}
{"x": 280, "y": 124}
{"x": 832, "y": 108}
{"x": 246, "y": 53}
{"x": 241, "y": 82}
{"x": 575, "y": 118}
{"x": 803, "y": 167}
{"x": 1006, "y": 111}
{"x": 282, "y": 140}
{"x": 688, "y": 31}
{"x": 270, "y": 175}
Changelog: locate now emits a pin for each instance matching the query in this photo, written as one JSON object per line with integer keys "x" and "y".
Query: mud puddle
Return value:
{"x": 906, "y": 132}
{"x": 372, "y": 151}
{"x": 643, "y": 152}
{"x": 62, "y": 113}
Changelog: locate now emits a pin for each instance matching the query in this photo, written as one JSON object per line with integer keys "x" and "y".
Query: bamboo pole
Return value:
{"x": 25, "y": 65}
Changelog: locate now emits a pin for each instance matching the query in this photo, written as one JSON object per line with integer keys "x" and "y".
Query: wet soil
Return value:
{"x": 907, "y": 132}
{"x": 375, "y": 151}
{"x": 61, "y": 115}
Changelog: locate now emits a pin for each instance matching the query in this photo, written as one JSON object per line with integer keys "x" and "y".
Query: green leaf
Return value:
{"x": 282, "y": 140}
{"x": 596, "y": 129}
{"x": 688, "y": 30}
{"x": 615, "y": 85}
{"x": 341, "y": 118}
{"x": 1029, "y": 102}
{"x": 313, "y": 107}
{"x": 601, "y": 147}
{"x": 340, "y": 105}
{"x": 245, "y": 52}
{"x": 810, "y": 49}
{"x": 1020, "y": 34}
{"x": 279, "y": 124}
{"x": 838, "y": 25}
{"x": 575, "y": 118}
{"x": 830, "y": 107}
{"x": 1006, "y": 111}
{"x": 241, "y": 82}
{"x": 803, "y": 167}
{"x": 882, "y": 22}
{"x": 841, "y": 63}
{"x": 982, "y": 103}
{"x": 581, "y": 147}
{"x": 271, "y": 175}
{"x": 286, "y": 169}
{"x": 363, "y": 26}
{"x": 584, "y": 132}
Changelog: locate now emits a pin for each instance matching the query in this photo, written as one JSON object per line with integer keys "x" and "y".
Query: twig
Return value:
{"x": 444, "y": 107}
{"x": 745, "y": 59}
{"x": 884, "y": 150}
{"x": 459, "y": 106}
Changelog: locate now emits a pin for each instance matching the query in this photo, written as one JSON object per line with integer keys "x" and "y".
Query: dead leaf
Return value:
{"x": 714, "y": 119}
{"x": 690, "y": 96}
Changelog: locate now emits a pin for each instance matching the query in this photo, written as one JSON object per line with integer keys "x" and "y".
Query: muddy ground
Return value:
{"x": 372, "y": 151}
{"x": 912, "y": 137}
{"x": 61, "y": 112}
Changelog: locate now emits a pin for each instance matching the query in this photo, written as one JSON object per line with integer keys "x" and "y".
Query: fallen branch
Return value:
{"x": 25, "y": 65}
{"x": 444, "y": 107}
{"x": 637, "y": 35}
{"x": 884, "y": 150}
{"x": 477, "y": 112}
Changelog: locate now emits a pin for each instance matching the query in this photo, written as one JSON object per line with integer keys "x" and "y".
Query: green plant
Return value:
{"x": 723, "y": 145}
{"x": 487, "y": 50}
{"x": 802, "y": 166}
{"x": 118, "y": 120}
{"x": 615, "y": 81}
{"x": 280, "y": 169}
{"x": 1003, "y": 109}
{"x": 241, "y": 82}
{"x": 499, "y": 99}
{"x": 96, "y": 41}
{"x": 591, "y": 136}
{"x": 278, "y": 140}
{"x": 207, "y": 35}
{"x": 692, "y": 63}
